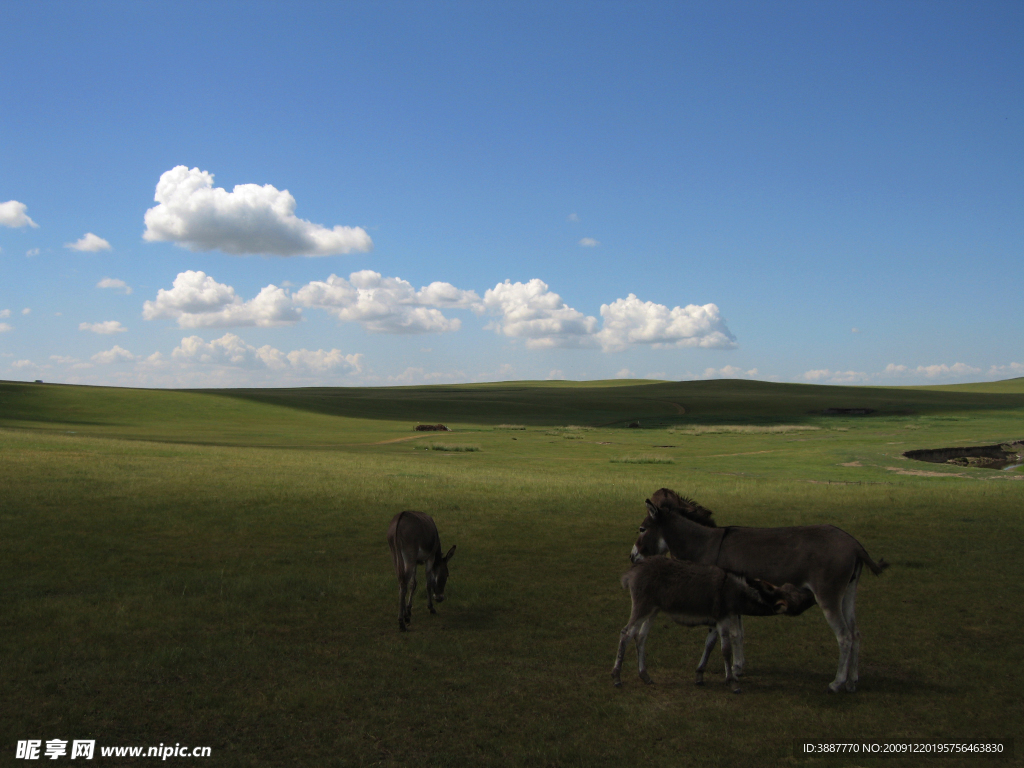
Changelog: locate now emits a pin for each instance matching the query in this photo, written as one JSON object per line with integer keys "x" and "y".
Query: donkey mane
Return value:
{"x": 668, "y": 500}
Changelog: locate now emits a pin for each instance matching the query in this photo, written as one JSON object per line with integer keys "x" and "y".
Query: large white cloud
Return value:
{"x": 629, "y": 321}
{"x": 12, "y": 214}
{"x": 248, "y": 220}
{"x": 387, "y": 304}
{"x": 532, "y": 311}
{"x": 89, "y": 242}
{"x": 199, "y": 301}
{"x": 230, "y": 350}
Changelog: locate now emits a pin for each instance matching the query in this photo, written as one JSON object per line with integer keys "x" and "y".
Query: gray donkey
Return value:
{"x": 695, "y": 595}
{"x": 413, "y": 539}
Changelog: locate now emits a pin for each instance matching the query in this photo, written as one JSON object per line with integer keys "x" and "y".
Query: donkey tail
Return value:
{"x": 876, "y": 568}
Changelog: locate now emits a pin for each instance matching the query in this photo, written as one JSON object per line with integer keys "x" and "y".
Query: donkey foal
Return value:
{"x": 413, "y": 539}
{"x": 694, "y": 595}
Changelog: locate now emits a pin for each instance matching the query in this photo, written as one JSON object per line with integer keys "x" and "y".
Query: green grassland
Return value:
{"x": 210, "y": 568}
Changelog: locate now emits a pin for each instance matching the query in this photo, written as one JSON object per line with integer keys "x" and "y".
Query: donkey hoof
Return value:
{"x": 646, "y": 678}
{"x": 402, "y": 627}
{"x": 851, "y": 686}
{"x": 736, "y": 688}
{"x": 699, "y": 680}
{"x": 833, "y": 688}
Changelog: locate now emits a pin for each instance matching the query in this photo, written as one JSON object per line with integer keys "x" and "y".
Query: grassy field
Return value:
{"x": 209, "y": 568}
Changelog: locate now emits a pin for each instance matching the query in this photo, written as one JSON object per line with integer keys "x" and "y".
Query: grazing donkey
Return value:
{"x": 695, "y": 595}
{"x": 822, "y": 559}
{"x": 413, "y": 539}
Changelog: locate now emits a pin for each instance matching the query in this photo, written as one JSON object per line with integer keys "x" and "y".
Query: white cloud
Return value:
{"x": 556, "y": 375}
{"x": 589, "y": 242}
{"x": 5, "y": 327}
{"x": 572, "y": 217}
{"x": 114, "y": 355}
{"x": 21, "y": 364}
{"x": 624, "y": 373}
{"x": 199, "y": 301}
{"x": 113, "y": 282}
{"x": 230, "y": 350}
{"x": 251, "y": 219}
{"x": 388, "y": 304}
{"x": 825, "y": 376}
{"x": 64, "y": 359}
{"x": 32, "y": 252}
{"x": 5, "y": 313}
{"x": 26, "y": 311}
{"x": 729, "y": 372}
{"x": 630, "y": 321}
{"x": 532, "y": 311}
{"x": 12, "y": 214}
{"x": 940, "y": 371}
{"x": 89, "y": 242}
{"x": 105, "y": 328}
{"x": 1012, "y": 370}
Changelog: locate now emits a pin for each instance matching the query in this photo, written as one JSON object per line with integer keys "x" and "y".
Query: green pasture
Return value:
{"x": 210, "y": 568}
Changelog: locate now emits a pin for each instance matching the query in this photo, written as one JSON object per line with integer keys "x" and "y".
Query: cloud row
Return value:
{"x": 250, "y": 219}
{"x": 528, "y": 311}
{"x": 893, "y": 371}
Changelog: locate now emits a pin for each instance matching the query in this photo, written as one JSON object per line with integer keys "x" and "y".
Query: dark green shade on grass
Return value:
{"x": 210, "y": 568}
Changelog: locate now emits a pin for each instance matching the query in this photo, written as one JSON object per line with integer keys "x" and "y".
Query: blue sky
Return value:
{"x": 281, "y": 194}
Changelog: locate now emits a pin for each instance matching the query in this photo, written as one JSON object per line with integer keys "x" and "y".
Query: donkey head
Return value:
{"x": 437, "y": 577}
{"x": 650, "y": 541}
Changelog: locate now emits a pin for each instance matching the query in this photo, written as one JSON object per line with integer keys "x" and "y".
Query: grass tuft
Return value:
{"x": 453, "y": 448}
{"x": 643, "y": 460}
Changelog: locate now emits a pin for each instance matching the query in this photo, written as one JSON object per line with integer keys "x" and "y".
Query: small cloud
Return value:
{"x": 26, "y": 311}
{"x": 589, "y": 242}
{"x": 89, "y": 242}
{"x": 729, "y": 372}
{"x": 855, "y": 330}
{"x": 624, "y": 373}
{"x": 105, "y": 328}
{"x": 4, "y": 327}
{"x": 556, "y": 375}
{"x": 114, "y": 355}
{"x": 113, "y": 282}
{"x": 32, "y": 252}
{"x": 64, "y": 359}
{"x": 5, "y": 313}
{"x": 23, "y": 364}
{"x": 573, "y": 218}
{"x": 12, "y": 214}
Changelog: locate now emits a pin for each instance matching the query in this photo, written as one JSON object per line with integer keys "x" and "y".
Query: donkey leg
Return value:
{"x": 736, "y": 635}
{"x": 709, "y": 646}
{"x": 411, "y": 592}
{"x": 726, "y": 630}
{"x": 833, "y": 611}
{"x": 402, "y": 590}
{"x": 849, "y": 613}
{"x": 627, "y": 633}
{"x": 641, "y": 640}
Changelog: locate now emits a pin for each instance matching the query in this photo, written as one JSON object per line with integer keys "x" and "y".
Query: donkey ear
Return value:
{"x": 450, "y": 553}
{"x": 651, "y": 509}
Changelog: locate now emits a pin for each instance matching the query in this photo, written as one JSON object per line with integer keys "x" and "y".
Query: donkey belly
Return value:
{"x": 688, "y": 619}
